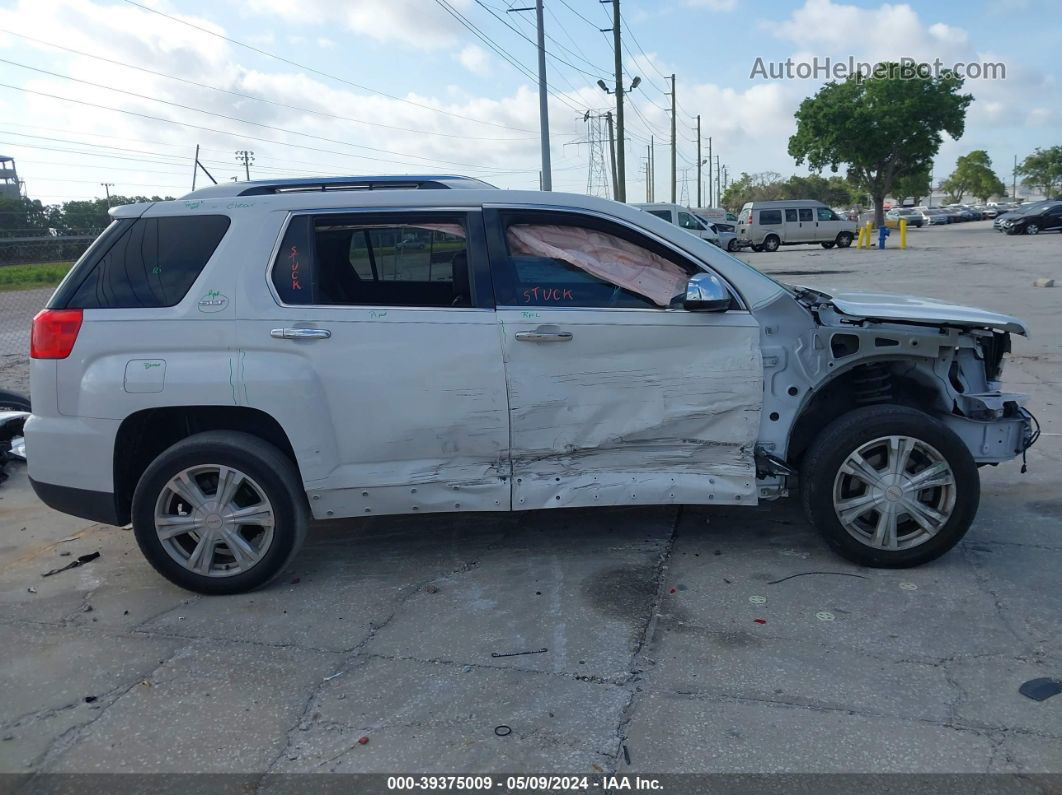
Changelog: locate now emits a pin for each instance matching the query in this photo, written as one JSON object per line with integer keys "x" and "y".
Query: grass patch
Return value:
{"x": 28, "y": 277}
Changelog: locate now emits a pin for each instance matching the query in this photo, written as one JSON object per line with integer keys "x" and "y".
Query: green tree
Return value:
{"x": 973, "y": 174}
{"x": 1042, "y": 170}
{"x": 834, "y": 191}
{"x": 915, "y": 186}
{"x": 882, "y": 127}
{"x": 88, "y": 217}
{"x": 23, "y": 217}
{"x": 764, "y": 186}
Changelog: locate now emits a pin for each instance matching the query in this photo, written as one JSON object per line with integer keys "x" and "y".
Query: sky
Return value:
{"x": 122, "y": 91}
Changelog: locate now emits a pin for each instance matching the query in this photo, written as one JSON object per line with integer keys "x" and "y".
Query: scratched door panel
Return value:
{"x": 638, "y": 407}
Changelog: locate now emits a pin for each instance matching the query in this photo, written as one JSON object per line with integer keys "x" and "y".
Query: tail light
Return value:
{"x": 54, "y": 333}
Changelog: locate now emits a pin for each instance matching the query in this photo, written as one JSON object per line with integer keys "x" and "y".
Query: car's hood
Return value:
{"x": 909, "y": 308}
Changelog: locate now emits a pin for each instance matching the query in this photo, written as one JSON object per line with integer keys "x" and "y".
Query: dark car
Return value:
{"x": 1035, "y": 220}
{"x": 999, "y": 223}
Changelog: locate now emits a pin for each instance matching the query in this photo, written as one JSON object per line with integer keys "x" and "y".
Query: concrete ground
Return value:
{"x": 675, "y": 640}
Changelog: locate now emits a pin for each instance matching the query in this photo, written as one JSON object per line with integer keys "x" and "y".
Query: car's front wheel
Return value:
{"x": 220, "y": 512}
{"x": 890, "y": 486}
{"x": 844, "y": 239}
{"x": 1032, "y": 229}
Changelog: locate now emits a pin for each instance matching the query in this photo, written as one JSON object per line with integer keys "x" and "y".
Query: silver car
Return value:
{"x": 219, "y": 369}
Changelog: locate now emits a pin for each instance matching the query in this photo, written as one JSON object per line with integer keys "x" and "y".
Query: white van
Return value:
{"x": 687, "y": 219}
{"x": 767, "y": 225}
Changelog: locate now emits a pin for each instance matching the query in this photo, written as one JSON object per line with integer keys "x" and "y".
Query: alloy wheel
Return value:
{"x": 214, "y": 520}
{"x": 894, "y": 493}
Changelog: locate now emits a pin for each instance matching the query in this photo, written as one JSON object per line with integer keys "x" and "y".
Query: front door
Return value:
{"x": 615, "y": 397}
{"x": 377, "y": 351}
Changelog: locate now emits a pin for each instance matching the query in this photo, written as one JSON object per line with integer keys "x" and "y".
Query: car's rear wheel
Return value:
{"x": 220, "y": 512}
{"x": 828, "y": 244}
{"x": 771, "y": 243}
{"x": 844, "y": 239}
{"x": 1032, "y": 229}
{"x": 732, "y": 245}
{"x": 890, "y": 486}
{"x": 757, "y": 248}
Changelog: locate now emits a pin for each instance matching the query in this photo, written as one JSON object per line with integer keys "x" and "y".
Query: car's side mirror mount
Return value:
{"x": 706, "y": 293}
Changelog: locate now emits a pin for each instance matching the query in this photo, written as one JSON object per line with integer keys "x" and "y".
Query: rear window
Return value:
{"x": 770, "y": 216}
{"x": 151, "y": 263}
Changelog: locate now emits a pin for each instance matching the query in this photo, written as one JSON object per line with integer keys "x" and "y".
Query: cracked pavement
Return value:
{"x": 385, "y": 627}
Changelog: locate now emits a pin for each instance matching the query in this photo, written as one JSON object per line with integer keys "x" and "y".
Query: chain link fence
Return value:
{"x": 30, "y": 267}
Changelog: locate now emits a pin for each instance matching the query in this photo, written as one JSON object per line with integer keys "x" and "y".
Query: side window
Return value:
{"x": 554, "y": 262}
{"x": 770, "y": 216}
{"x": 687, "y": 221}
{"x": 806, "y": 214}
{"x": 416, "y": 259}
{"x": 665, "y": 214}
{"x": 790, "y": 215}
{"x": 152, "y": 264}
{"x": 826, "y": 214}
{"x": 743, "y": 218}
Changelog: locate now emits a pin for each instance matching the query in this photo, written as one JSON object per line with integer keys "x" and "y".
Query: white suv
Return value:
{"x": 220, "y": 368}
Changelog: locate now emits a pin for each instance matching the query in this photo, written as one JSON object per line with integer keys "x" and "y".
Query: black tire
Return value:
{"x": 828, "y": 244}
{"x": 12, "y": 401}
{"x": 847, "y": 434}
{"x": 732, "y": 246}
{"x": 844, "y": 239}
{"x": 771, "y": 243}
{"x": 757, "y": 248}
{"x": 274, "y": 472}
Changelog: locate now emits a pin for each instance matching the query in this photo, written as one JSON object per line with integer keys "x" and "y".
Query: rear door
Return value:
{"x": 380, "y": 358}
{"x": 614, "y": 398}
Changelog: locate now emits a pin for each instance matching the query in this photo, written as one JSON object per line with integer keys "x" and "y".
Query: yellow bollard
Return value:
{"x": 870, "y": 234}
{"x": 859, "y": 238}
{"x": 903, "y": 233}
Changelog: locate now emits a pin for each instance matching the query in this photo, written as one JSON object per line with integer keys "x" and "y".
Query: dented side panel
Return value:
{"x": 637, "y": 407}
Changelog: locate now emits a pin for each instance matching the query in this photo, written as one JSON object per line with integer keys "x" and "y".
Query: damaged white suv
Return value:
{"x": 220, "y": 368}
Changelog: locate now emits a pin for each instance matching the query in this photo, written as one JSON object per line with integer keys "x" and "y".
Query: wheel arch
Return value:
{"x": 143, "y": 435}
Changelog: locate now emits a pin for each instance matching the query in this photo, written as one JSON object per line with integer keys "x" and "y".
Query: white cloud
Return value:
{"x": 420, "y": 24}
{"x": 475, "y": 59}
{"x": 714, "y": 5}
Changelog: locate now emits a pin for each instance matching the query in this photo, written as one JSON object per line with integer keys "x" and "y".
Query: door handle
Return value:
{"x": 300, "y": 333}
{"x": 544, "y": 336}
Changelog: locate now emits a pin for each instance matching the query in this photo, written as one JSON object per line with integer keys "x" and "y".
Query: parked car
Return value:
{"x": 999, "y": 223}
{"x": 908, "y": 214}
{"x": 767, "y": 225}
{"x": 685, "y": 218}
{"x": 1046, "y": 218}
{"x": 220, "y": 368}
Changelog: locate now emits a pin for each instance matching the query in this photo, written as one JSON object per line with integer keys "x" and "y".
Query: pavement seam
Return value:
{"x": 627, "y": 713}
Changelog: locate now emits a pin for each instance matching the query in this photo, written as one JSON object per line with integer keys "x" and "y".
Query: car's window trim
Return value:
{"x": 469, "y": 211}
{"x": 743, "y": 305}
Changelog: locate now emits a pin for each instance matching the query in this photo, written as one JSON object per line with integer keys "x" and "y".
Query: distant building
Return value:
{"x": 10, "y": 187}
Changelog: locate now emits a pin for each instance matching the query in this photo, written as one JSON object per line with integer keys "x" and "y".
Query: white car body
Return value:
{"x": 472, "y": 405}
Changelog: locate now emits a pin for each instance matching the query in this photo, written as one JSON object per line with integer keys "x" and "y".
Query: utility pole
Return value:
{"x": 674, "y": 144}
{"x": 107, "y": 190}
{"x": 652, "y": 167}
{"x": 543, "y": 96}
{"x": 612, "y": 151}
{"x": 718, "y": 180}
{"x": 621, "y": 173}
{"x": 648, "y": 173}
{"x": 700, "y": 163}
{"x": 246, "y": 157}
{"x": 1014, "y": 180}
{"x": 711, "y": 182}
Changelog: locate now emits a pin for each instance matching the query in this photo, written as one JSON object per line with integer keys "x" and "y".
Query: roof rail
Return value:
{"x": 299, "y": 185}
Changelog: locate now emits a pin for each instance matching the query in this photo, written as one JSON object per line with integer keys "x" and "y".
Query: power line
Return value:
{"x": 217, "y": 115}
{"x": 298, "y": 65}
{"x": 242, "y": 95}
{"x": 558, "y": 59}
